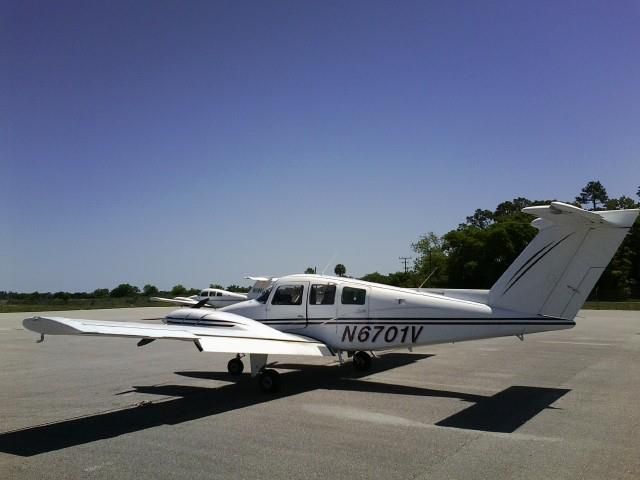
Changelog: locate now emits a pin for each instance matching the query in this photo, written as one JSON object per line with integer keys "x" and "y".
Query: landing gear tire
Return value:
{"x": 269, "y": 381}
{"x": 235, "y": 366}
{"x": 361, "y": 361}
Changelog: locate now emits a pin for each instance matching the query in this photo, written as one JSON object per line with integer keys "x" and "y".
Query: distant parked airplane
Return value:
{"x": 218, "y": 298}
{"x": 542, "y": 290}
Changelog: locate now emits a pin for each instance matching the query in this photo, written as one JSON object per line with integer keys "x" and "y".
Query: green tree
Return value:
{"x": 237, "y": 288}
{"x": 621, "y": 203}
{"x": 340, "y": 270}
{"x": 431, "y": 261}
{"x": 621, "y": 278}
{"x": 481, "y": 218}
{"x": 149, "y": 290}
{"x": 512, "y": 207}
{"x": 178, "y": 290}
{"x": 376, "y": 277}
{"x": 124, "y": 290}
{"x": 397, "y": 279}
{"x": 100, "y": 292}
{"x": 216, "y": 285}
{"x": 632, "y": 241}
{"x": 64, "y": 296}
{"x": 403, "y": 279}
{"x": 593, "y": 193}
{"x": 478, "y": 252}
{"x": 477, "y": 257}
{"x": 310, "y": 270}
{"x": 35, "y": 296}
{"x": 617, "y": 280}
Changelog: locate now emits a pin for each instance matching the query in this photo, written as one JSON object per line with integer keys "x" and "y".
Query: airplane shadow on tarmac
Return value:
{"x": 503, "y": 412}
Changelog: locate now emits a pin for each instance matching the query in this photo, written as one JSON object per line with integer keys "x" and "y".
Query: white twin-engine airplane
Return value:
{"x": 325, "y": 316}
{"x": 218, "y": 298}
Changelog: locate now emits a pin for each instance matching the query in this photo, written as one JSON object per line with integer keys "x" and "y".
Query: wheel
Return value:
{"x": 235, "y": 366}
{"x": 361, "y": 361}
{"x": 269, "y": 381}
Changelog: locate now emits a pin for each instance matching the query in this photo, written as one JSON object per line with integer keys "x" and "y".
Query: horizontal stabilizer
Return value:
{"x": 560, "y": 213}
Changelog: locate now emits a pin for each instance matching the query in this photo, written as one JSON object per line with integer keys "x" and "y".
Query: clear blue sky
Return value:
{"x": 193, "y": 142}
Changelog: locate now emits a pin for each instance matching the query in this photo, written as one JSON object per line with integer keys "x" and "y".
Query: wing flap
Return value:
{"x": 260, "y": 345}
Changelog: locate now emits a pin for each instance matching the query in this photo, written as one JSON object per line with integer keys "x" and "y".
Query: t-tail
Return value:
{"x": 556, "y": 272}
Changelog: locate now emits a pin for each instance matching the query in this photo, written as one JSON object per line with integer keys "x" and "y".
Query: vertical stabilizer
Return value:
{"x": 556, "y": 272}
{"x": 261, "y": 284}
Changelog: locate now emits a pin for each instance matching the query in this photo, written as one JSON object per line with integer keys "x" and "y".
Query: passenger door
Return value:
{"x": 322, "y": 303}
{"x": 353, "y": 302}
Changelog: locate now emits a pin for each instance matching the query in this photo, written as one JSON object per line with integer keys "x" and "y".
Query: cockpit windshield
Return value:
{"x": 264, "y": 296}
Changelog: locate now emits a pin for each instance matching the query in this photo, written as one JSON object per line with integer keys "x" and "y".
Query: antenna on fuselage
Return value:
{"x": 428, "y": 277}
{"x": 329, "y": 263}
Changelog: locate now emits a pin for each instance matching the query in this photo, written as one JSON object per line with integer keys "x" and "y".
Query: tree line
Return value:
{"x": 124, "y": 290}
{"x": 473, "y": 255}
{"x": 478, "y": 251}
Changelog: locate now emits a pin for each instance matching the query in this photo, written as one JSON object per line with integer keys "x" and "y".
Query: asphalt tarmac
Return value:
{"x": 558, "y": 405}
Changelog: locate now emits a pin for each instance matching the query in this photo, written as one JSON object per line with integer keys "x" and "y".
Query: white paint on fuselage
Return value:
{"x": 391, "y": 317}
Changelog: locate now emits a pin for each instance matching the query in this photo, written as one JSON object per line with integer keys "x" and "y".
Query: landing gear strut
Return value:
{"x": 361, "y": 361}
{"x": 235, "y": 366}
{"x": 268, "y": 379}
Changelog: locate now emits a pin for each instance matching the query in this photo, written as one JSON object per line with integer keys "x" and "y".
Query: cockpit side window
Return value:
{"x": 264, "y": 296}
{"x": 322, "y": 295}
{"x": 353, "y": 296}
{"x": 204, "y": 294}
{"x": 288, "y": 295}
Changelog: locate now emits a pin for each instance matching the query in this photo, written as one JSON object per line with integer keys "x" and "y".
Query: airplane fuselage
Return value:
{"x": 219, "y": 298}
{"x": 348, "y": 314}
{"x": 317, "y": 315}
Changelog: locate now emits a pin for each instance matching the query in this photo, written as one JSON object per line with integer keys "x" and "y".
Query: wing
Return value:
{"x": 225, "y": 332}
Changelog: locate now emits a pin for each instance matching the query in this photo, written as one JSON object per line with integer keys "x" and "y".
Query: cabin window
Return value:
{"x": 353, "y": 296}
{"x": 218, "y": 294}
{"x": 322, "y": 295}
{"x": 264, "y": 296}
{"x": 204, "y": 294}
{"x": 288, "y": 295}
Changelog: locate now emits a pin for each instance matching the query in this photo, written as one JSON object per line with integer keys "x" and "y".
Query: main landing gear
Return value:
{"x": 235, "y": 366}
{"x": 361, "y": 361}
{"x": 268, "y": 379}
